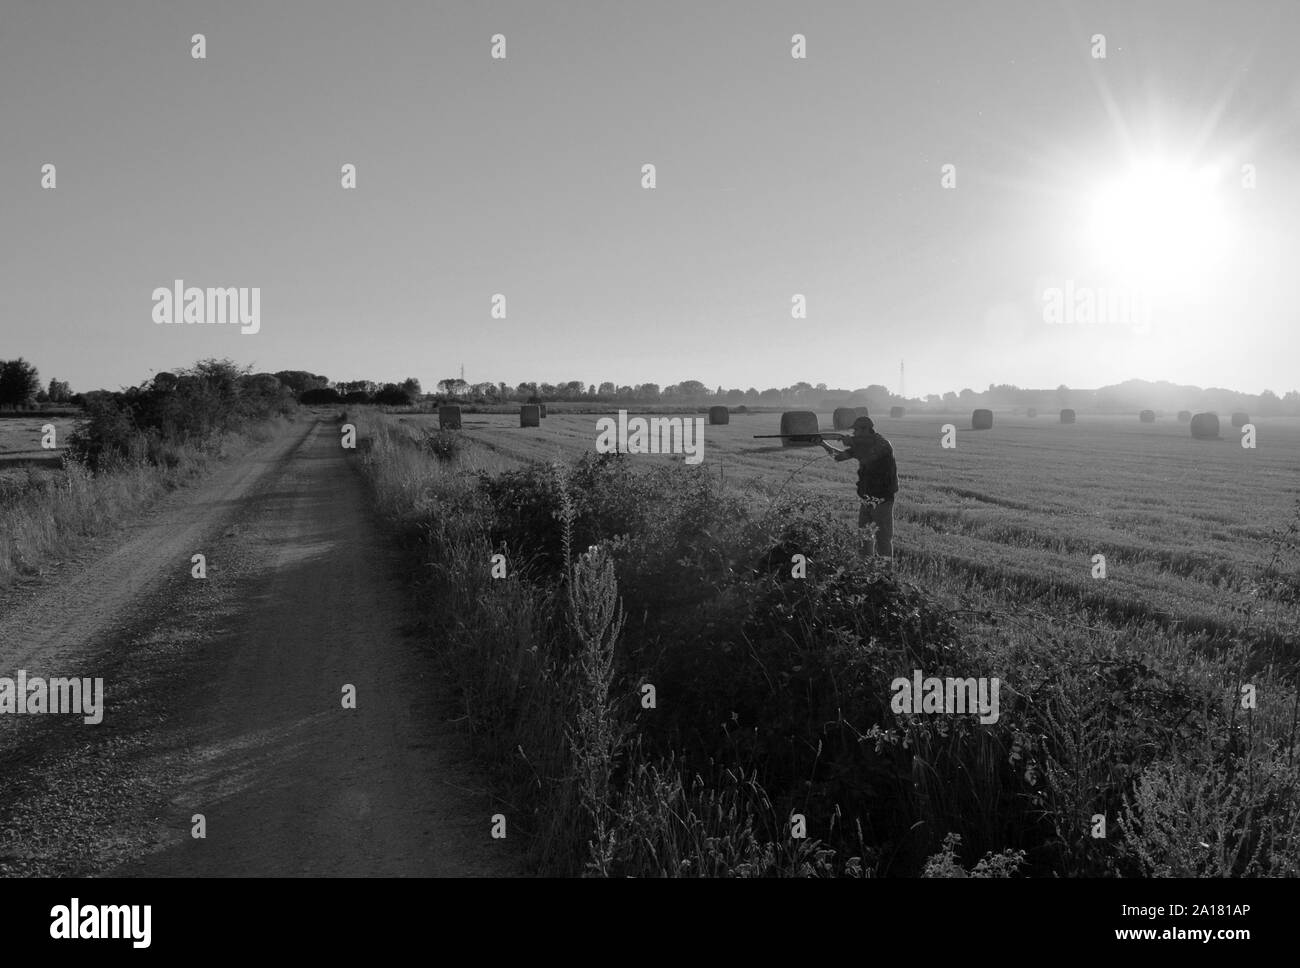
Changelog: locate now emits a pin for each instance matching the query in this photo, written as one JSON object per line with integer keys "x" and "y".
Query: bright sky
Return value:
{"x": 775, "y": 176}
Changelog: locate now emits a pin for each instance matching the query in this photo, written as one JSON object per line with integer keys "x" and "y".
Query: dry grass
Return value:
{"x": 51, "y": 508}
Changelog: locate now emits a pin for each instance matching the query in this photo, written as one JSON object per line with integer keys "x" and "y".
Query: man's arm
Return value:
{"x": 835, "y": 452}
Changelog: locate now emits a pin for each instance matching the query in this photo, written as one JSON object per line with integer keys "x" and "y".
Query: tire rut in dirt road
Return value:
{"x": 229, "y": 705}
{"x": 67, "y": 616}
{"x": 290, "y": 782}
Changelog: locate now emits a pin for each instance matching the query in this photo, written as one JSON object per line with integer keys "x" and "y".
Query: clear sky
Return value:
{"x": 775, "y": 176}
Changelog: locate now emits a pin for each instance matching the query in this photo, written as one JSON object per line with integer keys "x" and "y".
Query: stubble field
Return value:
{"x": 20, "y": 444}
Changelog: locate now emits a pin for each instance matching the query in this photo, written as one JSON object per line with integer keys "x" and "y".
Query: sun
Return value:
{"x": 1159, "y": 225}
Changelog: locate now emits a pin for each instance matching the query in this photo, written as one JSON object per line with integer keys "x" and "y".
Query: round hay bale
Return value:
{"x": 541, "y": 408}
{"x": 843, "y": 417}
{"x": 860, "y": 412}
{"x": 718, "y": 416}
{"x": 1240, "y": 419}
{"x": 530, "y": 415}
{"x": 1067, "y": 416}
{"x": 981, "y": 420}
{"x": 1205, "y": 426}
{"x": 1031, "y": 412}
{"x": 1184, "y": 416}
{"x": 896, "y": 412}
{"x": 801, "y": 422}
{"x": 449, "y": 418}
{"x": 1147, "y": 416}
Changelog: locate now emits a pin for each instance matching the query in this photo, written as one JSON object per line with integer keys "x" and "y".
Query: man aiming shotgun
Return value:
{"x": 877, "y": 483}
{"x": 877, "y": 479}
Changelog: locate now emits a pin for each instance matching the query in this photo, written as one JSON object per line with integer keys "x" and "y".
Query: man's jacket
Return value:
{"x": 877, "y": 472}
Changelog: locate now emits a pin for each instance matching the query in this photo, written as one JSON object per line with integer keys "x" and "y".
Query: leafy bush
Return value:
{"x": 191, "y": 408}
{"x": 776, "y": 681}
{"x": 392, "y": 395}
{"x": 1238, "y": 818}
{"x": 947, "y": 864}
{"x": 105, "y": 437}
{"x": 319, "y": 396}
{"x": 445, "y": 445}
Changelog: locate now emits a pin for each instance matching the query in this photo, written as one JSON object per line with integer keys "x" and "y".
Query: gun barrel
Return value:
{"x": 820, "y": 433}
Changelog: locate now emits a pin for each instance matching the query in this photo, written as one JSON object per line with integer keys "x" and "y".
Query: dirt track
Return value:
{"x": 223, "y": 695}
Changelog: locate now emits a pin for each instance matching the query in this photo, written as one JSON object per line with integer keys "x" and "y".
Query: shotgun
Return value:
{"x": 819, "y": 435}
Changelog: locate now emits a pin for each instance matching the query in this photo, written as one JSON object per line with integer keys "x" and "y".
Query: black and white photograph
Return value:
{"x": 492, "y": 441}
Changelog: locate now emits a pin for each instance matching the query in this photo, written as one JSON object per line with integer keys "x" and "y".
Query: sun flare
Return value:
{"x": 1159, "y": 225}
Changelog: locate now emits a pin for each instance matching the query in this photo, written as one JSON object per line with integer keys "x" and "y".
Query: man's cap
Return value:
{"x": 863, "y": 423}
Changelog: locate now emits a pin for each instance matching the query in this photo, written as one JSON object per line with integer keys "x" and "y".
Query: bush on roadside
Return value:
{"x": 319, "y": 396}
{"x": 190, "y": 409}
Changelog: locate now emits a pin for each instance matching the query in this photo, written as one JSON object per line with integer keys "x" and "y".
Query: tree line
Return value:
{"x": 21, "y": 387}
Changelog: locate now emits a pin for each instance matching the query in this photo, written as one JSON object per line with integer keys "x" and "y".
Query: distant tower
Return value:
{"x": 462, "y": 373}
{"x": 902, "y": 387}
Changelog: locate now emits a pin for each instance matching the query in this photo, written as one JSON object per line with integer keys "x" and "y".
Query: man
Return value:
{"x": 877, "y": 484}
